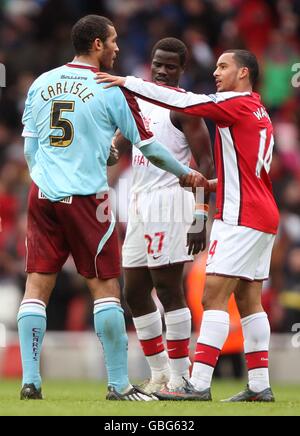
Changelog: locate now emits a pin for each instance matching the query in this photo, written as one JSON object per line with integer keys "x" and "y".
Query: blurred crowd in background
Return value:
{"x": 35, "y": 37}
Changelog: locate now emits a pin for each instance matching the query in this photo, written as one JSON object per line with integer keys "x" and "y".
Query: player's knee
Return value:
{"x": 39, "y": 286}
{"x": 171, "y": 299}
{"x": 216, "y": 294}
{"x": 207, "y": 298}
{"x": 104, "y": 288}
{"x": 212, "y": 302}
{"x": 245, "y": 304}
{"x": 140, "y": 303}
{"x": 133, "y": 296}
{"x": 241, "y": 300}
{"x": 165, "y": 298}
{"x": 206, "y": 302}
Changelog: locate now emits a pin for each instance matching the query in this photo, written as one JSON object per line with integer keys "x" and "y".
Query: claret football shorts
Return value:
{"x": 237, "y": 251}
{"x": 73, "y": 226}
{"x": 157, "y": 228}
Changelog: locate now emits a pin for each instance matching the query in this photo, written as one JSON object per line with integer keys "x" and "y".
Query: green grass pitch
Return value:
{"x": 87, "y": 399}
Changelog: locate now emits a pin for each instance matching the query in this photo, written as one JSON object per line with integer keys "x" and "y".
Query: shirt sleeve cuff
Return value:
{"x": 145, "y": 142}
{"x": 27, "y": 134}
{"x": 132, "y": 83}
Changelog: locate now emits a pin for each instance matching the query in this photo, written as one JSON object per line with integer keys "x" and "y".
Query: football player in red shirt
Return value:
{"x": 246, "y": 220}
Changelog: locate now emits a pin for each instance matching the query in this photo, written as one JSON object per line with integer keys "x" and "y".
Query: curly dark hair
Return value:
{"x": 172, "y": 45}
{"x": 86, "y": 30}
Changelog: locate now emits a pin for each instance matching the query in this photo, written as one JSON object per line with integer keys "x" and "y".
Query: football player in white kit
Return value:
{"x": 159, "y": 238}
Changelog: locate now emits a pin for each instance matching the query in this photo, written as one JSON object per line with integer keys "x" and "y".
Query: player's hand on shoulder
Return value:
{"x": 110, "y": 79}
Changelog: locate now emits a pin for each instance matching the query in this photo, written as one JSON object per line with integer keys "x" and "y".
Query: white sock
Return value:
{"x": 256, "y": 330}
{"x": 149, "y": 332}
{"x": 213, "y": 334}
{"x": 178, "y": 323}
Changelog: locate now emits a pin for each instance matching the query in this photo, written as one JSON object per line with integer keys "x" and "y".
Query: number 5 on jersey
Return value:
{"x": 58, "y": 122}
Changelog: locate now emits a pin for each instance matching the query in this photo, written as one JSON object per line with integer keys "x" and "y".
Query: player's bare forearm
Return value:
{"x": 201, "y": 148}
{"x": 213, "y": 185}
{"x": 200, "y": 145}
{"x": 123, "y": 144}
{"x": 114, "y": 155}
{"x": 197, "y": 136}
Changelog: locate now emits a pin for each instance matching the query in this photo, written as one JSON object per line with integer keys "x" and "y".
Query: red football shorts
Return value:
{"x": 73, "y": 226}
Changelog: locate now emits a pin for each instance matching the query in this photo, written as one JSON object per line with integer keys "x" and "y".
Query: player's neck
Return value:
{"x": 87, "y": 60}
{"x": 175, "y": 85}
{"x": 243, "y": 87}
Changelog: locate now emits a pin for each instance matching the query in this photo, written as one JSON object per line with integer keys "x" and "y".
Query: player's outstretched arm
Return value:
{"x": 110, "y": 80}
{"x": 217, "y": 107}
{"x": 128, "y": 119}
{"x": 160, "y": 156}
{"x": 172, "y": 98}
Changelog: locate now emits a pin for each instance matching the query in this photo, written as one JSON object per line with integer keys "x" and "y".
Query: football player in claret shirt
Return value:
{"x": 69, "y": 122}
{"x": 246, "y": 220}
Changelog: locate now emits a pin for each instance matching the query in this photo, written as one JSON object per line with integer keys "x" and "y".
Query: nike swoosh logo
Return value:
{"x": 157, "y": 257}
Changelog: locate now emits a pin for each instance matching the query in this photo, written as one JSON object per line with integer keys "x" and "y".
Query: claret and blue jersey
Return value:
{"x": 73, "y": 120}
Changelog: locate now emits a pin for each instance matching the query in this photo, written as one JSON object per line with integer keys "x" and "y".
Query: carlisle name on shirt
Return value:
{"x": 60, "y": 88}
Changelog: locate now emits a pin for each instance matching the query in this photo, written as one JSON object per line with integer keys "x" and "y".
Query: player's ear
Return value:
{"x": 244, "y": 72}
{"x": 182, "y": 69}
{"x": 98, "y": 44}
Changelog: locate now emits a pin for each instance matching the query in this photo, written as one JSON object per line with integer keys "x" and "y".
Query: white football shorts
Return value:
{"x": 157, "y": 228}
{"x": 237, "y": 251}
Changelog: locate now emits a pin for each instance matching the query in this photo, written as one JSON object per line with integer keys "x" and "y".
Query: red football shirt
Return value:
{"x": 243, "y": 150}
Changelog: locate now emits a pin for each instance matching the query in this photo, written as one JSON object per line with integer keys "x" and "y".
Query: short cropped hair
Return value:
{"x": 245, "y": 58}
{"x": 172, "y": 45}
{"x": 86, "y": 30}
